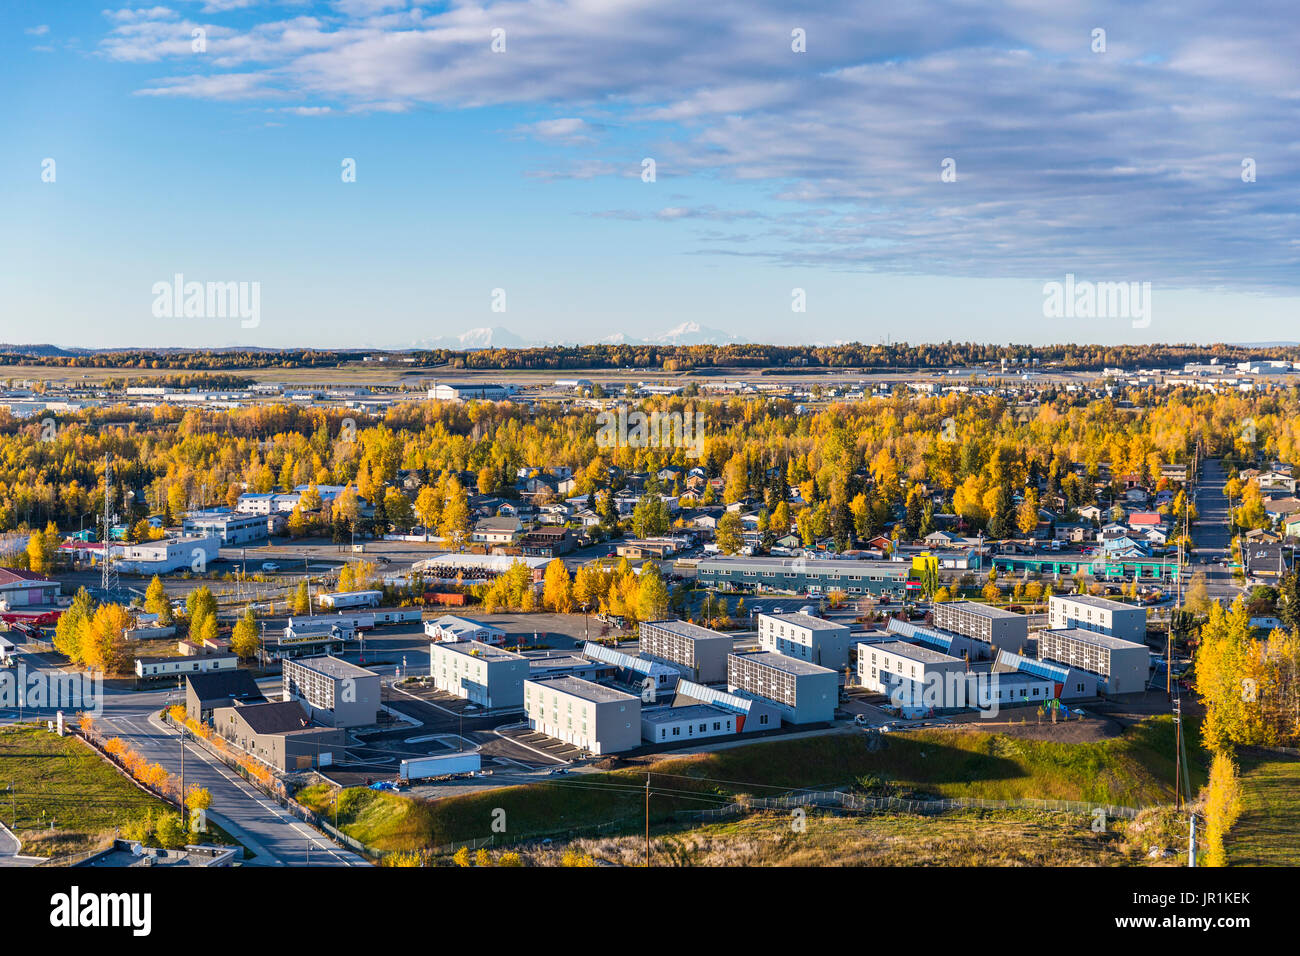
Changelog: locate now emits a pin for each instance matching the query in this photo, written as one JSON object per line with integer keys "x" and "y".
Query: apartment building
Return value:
{"x": 488, "y": 676}
{"x": 700, "y": 652}
{"x": 591, "y": 716}
{"x": 1123, "y": 666}
{"x": 1005, "y": 630}
{"x": 1088, "y": 613}
{"x": 230, "y": 527}
{"x": 802, "y": 692}
{"x": 333, "y": 691}
{"x": 805, "y": 637}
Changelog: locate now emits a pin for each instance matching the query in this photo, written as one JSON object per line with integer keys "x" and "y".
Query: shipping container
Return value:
{"x": 423, "y": 768}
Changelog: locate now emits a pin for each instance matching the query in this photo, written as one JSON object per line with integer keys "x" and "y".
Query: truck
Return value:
{"x": 422, "y": 768}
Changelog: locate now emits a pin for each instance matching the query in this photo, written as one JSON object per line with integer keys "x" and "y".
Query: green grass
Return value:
{"x": 1134, "y": 770}
{"x": 1268, "y": 831}
{"x": 62, "y": 780}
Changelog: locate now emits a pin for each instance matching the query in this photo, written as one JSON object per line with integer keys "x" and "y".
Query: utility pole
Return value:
{"x": 183, "y": 827}
{"x": 647, "y": 820}
{"x": 1178, "y": 744}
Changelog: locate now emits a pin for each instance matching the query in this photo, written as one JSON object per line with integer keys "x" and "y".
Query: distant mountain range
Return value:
{"x": 688, "y": 333}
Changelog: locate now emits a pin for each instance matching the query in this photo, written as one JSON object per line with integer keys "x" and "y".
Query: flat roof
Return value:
{"x": 479, "y": 650}
{"x": 790, "y": 665}
{"x": 806, "y": 620}
{"x": 1089, "y": 600}
{"x": 686, "y": 629}
{"x": 687, "y": 712}
{"x": 1090, "y": 637}
{"x": 805, "y": 564}
{"x": 983, "y": 610}
{"x": 584, "y": 689}
{"x": 916, "y": 652}
{"x": 333, "y": 667}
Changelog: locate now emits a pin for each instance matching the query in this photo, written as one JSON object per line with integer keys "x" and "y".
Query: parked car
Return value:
{"x": 270, "y": 566}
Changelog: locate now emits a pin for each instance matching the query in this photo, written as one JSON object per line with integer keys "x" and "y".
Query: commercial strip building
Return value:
{"x": 1088, "y": 613}
{"x": 814, "y": 576}
{"x": 699, "y": 652}
{"x": 312, "y": 637}
{"x": 485, "y": 675}
{"x": 1003, "y": 629}
{"x": 591, "y": 716}
{"x": 805, "y": 637}
{"x": 333, "y": 691}
{"x": 803, "y": 693}
{"x": 1123, "y": 666}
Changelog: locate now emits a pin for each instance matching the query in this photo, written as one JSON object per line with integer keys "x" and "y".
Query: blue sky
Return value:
{"x": 522, "y": 170}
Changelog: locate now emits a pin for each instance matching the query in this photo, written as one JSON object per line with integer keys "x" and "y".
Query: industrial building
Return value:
{"x": 333, "y": 691}
{"x": 1123, "y": 666}
{"x": 805, "y": 637}
{"x": 459, "y": 392}
{"x": 1005, "y": 630}
{"x": 1088, "y": 613}
{"x": 232, "y": 528}
{"x": 592, "y": 716}
{"x": 700, "y": 652}
{"x": 804, "y": 693}
{"x": 814, "y": 576}
{"x": 491, "y": 677}
{"x": 19, "y": 588}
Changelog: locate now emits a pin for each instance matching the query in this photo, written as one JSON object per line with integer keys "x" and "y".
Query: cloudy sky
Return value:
{"x": 919, "y": 170}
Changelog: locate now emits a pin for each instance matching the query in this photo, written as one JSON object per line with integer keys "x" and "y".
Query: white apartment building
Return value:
{"x": 1088, "y": 613}
{"x": 587, "y": 715}
{"x": 488, "y": 676}
{"x": 806, "y": 638}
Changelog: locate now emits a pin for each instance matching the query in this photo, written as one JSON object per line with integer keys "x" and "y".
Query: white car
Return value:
{"x": 270, "y": 566}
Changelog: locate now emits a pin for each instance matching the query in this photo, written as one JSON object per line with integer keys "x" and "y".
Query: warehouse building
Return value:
{"x": 591, "y": 716}
{"x": 1088, "y": 613}
{"x": 1005, "y": 630}
{"x": 1123, "y": 666}
{"x": 803, "y": 693}
{"x": 805, "y": 637}
{"x": 814, "y": 576}
{"x": 700, "y": 652}
{"x": 19, "y": 588}
{"x": 491, "y": 677}
{"x": 333, "y": 691}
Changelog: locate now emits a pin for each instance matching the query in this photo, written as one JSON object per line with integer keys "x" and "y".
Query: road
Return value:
{"x": 272, "y": 834}
{"x": 1212, "y": 535}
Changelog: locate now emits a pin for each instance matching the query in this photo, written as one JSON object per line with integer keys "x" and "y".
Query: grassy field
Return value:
{"x": 1133, "y": 770}
{"x": 1268, "y": 831}
{"x": 964, "y": 838}
{"x": 62, "y": 781}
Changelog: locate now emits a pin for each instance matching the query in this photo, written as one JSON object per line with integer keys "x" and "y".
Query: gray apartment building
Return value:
{"x": 700, "y": 652}
{"x": 333, "y": 691}
{"x": 280, "y": 734}
{"x": 814, "y": 576}
{"x": 585, "y": 714}
{"x": 488, "y": 676}
{"x": 1005, "y": 630}
{"x": 1088, "y": 613}
{"x": 805, "y": 637}
{"x": 803, "y": 693}
{"x": 1123, "y": 665}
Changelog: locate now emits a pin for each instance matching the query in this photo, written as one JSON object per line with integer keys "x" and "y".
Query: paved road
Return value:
{"x": 1212, "y": 534}
{"x": 274, "y": 835}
